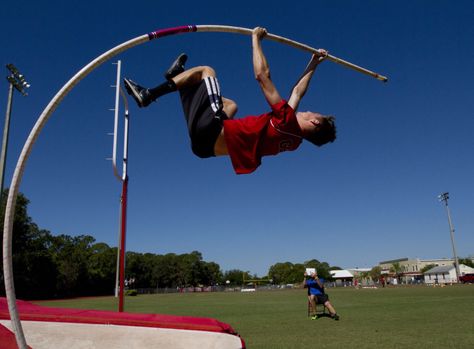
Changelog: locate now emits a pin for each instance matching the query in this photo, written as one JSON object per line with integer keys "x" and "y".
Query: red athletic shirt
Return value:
{"x": 250, "y": 138}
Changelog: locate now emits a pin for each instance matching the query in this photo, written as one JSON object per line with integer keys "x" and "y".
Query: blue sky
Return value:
{"x": 368, "y": 197}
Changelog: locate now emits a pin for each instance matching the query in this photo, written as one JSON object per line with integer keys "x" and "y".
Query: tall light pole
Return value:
{"x": 444, "y": 197}
{"x": 16, "y": 80}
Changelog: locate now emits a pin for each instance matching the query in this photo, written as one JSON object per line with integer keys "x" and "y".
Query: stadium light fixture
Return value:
{"x": 16, "y": 80}
{"x": 444, "y": 198}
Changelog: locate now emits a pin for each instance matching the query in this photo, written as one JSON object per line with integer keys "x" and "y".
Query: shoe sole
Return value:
{"x": 177, "y": 67}
{"x": 131, "y": 91}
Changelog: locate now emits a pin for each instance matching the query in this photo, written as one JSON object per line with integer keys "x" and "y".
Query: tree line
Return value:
{"x": 50, "y": 266}
{"x": 290, "y": 273}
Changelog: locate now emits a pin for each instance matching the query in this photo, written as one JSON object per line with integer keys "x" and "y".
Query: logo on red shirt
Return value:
{"x": 285, "y": 145}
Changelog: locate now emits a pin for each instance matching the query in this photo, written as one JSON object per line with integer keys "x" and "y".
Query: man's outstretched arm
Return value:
{"x": 261, "y": 69}
{"x": 302, "y": 85}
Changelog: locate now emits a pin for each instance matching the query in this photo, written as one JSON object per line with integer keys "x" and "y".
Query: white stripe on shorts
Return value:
{"x": 213, "y": 92}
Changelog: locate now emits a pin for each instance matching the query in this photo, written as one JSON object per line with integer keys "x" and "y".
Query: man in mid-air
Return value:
{"x": 210, "y": 117}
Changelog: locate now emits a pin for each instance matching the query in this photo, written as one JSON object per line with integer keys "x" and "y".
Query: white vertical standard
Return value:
{"x": 120, "y": 92}
{"x": 122, "y": 178}
{"x": 125, "y": 134}
{"x": 116, "y": 113}
{"x": 114, "y": 164}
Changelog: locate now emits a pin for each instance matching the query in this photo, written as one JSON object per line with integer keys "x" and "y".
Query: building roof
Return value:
{"x": 358, "y": 270}
{"x": 440, "y": 270}
{"x": 394, "y": 261}
{"x": 447, "y": 268}
{"x": 341, "y": 274}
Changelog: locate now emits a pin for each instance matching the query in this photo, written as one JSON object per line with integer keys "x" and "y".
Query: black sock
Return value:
{"x": 160, "y": 90}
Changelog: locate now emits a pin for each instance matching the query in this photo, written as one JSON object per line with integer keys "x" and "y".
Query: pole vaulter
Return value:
{"x": 56, "y": 100}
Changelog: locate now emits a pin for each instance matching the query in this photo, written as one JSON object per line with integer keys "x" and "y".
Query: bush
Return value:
{"x": 131, "y": 293}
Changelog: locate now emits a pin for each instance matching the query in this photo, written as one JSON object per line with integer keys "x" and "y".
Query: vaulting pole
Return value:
{"x": 53, "y": 104}
{"x": 280, "y": 39}
{"x": 239, "y": 30}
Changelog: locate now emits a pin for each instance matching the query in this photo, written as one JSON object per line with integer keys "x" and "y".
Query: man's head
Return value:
{"x": 317, "y": 129}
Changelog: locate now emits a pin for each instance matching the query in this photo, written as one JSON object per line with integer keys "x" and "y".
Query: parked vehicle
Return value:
{"x": 467, "y": 278}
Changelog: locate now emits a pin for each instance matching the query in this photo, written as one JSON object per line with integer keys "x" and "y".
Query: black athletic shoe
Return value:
{"x": 140, "y": 94}
{"x": 335, "y": 317}
{"x": 177, "y": 67}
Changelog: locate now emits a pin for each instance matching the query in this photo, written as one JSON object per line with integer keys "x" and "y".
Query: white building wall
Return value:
{"x": 464, "y": 269}
{"x": 441, "y": 278}
{"x": 448, "y": 277}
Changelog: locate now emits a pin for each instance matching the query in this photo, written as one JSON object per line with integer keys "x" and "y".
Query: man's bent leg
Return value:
{"x": 313, "y": 306}
{"x": 331, "y": 309}
{"x": 230, "y": 107}
{"x": 144, "y": 96}
{"x": 192, "y": 76}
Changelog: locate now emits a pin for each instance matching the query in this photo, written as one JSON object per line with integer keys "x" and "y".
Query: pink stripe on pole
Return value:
{"x": 170, "y": 31}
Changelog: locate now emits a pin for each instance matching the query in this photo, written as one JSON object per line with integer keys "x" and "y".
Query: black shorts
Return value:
{"x": 321, "y": 298}
{"x": 203, "y": 109}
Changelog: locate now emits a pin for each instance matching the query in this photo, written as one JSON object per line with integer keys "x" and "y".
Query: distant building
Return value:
{"x": 358, "y": 271}
{"x": 445, "y": 274}
{"x": 342, "y": 277}
{"x": 411, "y": 268}
{"x": 349, "y": 277}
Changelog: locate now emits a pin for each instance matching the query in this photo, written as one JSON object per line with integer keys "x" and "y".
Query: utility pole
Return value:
{"x": 16, "y": 80}
{"x": 444, "y": 197}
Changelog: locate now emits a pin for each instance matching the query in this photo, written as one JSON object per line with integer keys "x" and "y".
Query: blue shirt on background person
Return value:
{"x": 314, "y": 288}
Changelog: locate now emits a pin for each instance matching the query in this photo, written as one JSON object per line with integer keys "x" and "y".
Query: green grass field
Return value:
{"x": 402, "y": 317}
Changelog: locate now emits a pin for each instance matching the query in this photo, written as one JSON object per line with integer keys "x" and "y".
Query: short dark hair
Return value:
{"x": 325, "y": 134}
